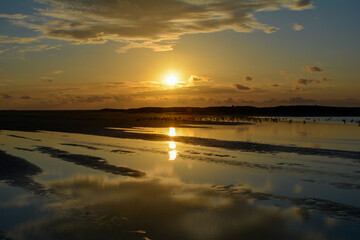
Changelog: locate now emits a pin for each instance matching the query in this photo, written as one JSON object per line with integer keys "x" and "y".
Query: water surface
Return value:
{"x": 97, "y": 187}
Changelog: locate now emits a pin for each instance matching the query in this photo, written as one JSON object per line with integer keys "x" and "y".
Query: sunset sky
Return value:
{"x": 92, "y": 54}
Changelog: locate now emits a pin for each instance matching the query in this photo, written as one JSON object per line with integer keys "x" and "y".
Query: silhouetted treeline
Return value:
{"x": 299, "y": 111}
{"x": 83, "y": 120}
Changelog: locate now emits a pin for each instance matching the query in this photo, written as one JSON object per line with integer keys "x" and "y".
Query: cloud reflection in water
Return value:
{"x": 103, "y": 208}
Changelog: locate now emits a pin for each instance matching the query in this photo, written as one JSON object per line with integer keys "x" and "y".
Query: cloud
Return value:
{"x": 21, "y": 40}
{"x": 39, "y": 48}
{"x": 13, "y": 16}
{"x": 194, "y": 78}
{"x": 275, "y": 85}
{"x": 5, "y": 96}
{"x": 115, "y": 84}
{"x": 304, "y": 81}
{"x": 325, "y": 79}
{"x": 56, "y": 72}
{"x": 159, "y": 46}
{"x": 312, "y": 69}
{"x": 7, "y": 49}
{"x": 241, "y": 87}
{"x": 93, "y": 98}
{"x": 47, "y": 79}
{"x": 247, "y": 78}
{"x": 298, "y": 27}
{"x": 301, "y": 4}
{"x": 156, "y": 24}
{"x": 25, "y": 97}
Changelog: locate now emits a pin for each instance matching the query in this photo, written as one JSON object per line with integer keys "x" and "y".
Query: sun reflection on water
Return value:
{"x": 172, "y": 155}
{"x": 172, "y": 145}
{"x": 172, "y": 132}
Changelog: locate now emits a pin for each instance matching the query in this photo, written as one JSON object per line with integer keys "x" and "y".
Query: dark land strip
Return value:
{"x": 18, "y": 172}
{"x": 16, "y": 136}
{"x": 87, "y": 160}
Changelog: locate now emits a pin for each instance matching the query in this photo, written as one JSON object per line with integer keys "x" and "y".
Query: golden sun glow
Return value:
{"x": 171, "y": 80}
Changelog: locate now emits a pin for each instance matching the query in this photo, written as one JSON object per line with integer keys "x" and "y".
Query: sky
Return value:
{"x": 93, "y": 54}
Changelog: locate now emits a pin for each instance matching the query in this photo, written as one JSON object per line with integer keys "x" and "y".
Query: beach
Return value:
{"x": 174, "y": 177}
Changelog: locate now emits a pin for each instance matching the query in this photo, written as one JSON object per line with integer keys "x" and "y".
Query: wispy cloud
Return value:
{"x": 22, "y": 40}
{"x": 156, "y": 24}
{"x": 56, "y": 72}
{"x": 39, "y": 48}
{"x": 13, "y": 16}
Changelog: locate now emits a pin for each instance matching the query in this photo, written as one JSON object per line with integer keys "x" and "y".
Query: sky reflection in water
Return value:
{"x": 189, "y": 192}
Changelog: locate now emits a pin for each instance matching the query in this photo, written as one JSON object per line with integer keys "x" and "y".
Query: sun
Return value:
{"x": 171, "y": 80}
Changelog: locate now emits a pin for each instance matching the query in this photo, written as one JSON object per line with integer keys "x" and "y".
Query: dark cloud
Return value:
{"x": 304, "y": 81}
{"x": 303, "y": 3}
{"x": 241, "y": 87}
{"x": 325, "y": 79}
{"x": 247, "y": 78}
{"x": 274, "y": 85}
{"x": 25, "y": 97}
{"x": 312, "y": 69}
{"x": 156, "y": 24}
{"x": 5, "y": 96}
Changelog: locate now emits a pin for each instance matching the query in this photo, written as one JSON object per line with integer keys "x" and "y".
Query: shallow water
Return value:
{"x": 95, "y": 187}
{"x": 314, "y": 135}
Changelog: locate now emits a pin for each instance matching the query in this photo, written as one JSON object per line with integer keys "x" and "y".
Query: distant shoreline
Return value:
{"x": 278, "y": 111}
